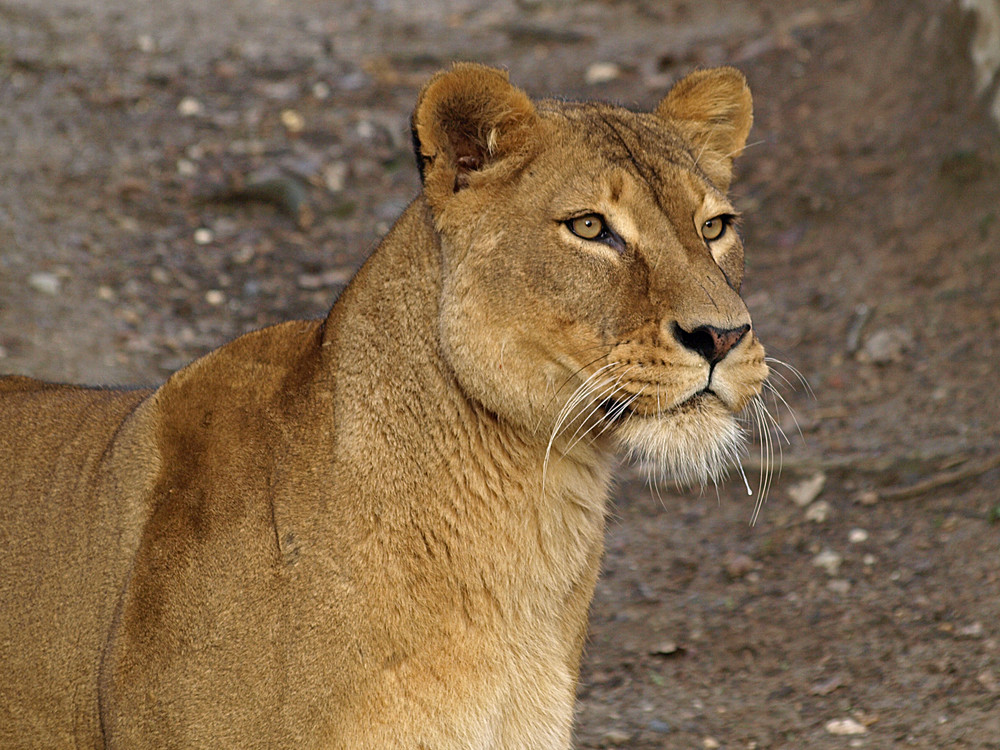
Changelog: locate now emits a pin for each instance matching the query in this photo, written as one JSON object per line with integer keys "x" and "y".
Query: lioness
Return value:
{"x": 383, "y": 529}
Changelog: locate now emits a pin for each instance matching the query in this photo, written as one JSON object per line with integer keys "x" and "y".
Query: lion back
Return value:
{"x": 70, "y": 517}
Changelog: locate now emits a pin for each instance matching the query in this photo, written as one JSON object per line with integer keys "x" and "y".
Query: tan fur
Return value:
{"x": 383, "y": 530}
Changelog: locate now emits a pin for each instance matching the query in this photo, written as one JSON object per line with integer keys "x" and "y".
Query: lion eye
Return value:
{"x": 588, "y": 227}
{"x": 713, "y": 228}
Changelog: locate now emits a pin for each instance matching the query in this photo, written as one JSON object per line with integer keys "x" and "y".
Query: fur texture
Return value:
{"x": 383, "y": 529}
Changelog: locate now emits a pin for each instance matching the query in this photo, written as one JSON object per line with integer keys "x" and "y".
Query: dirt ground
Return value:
{"x": 176, "y": 173}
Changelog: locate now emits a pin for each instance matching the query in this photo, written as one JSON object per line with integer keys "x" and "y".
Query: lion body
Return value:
{"x": 372, "y": 530}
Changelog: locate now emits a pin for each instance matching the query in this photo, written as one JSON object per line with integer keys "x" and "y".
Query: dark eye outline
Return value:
{"x": 607, "y": 236}
{"x": 727, "y": 221}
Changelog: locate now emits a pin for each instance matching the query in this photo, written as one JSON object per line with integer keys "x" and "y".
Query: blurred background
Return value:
{"x": 173, "y": 174}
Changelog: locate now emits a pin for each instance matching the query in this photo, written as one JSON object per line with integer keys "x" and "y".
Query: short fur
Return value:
{"x": 383, "y": 529}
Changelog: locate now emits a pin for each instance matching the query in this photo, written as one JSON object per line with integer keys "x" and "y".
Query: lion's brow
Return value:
{"x": 630, "y": 142}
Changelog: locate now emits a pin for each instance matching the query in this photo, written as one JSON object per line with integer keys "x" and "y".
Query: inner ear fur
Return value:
{"x": 713, "y": 109}
{"x": 468, "y": 118}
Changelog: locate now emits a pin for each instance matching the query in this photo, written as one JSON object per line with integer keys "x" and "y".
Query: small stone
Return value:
{"x": 845, "y": 727}
{"x": 615, "y": 738}
{"x": 737, "y": 565}
{"x": 105, "y": 293}
{"x": 868, "y": 497}
{"x": 46, "y": 283}
{"x": 710, "y": 743}
{"x": 320, "y": 90}
{"x": 145, "y": 43}
{"x": 988, "y": 680}
{"x": 661, "y": 727}
{"x": 827, "y": 686}
{"x": 818, "y": 512}
{"x": 215, "y": 297}
{"x": 186, "y": 168}
{"x": 829, "y": 561}
{"x": 159, "y": 275}
{"x": 203, "y": 236}
{"x": 886, "y": 346}
{"x": 190, "y": 107}
{"x": 807, "y": 490}
{"x": 335, "y": 176}
{"x": 601, "y": 72}
{"x": 975, "y": 630}
{"x": 839, "y": 586}
{"x": 869, "y": 559}
{"x": 857, "y": 536}
{"x": 667, "y": 648}
{"x": 293, "y": 121}
{"x": 244, "y": 254}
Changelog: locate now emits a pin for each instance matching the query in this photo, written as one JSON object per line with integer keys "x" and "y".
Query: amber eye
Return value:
{"x": 713, "y": 228}
{"x": 588, "y": 227}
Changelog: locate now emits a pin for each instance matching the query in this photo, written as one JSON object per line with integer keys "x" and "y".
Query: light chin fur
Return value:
{"x": 696, "y": 445}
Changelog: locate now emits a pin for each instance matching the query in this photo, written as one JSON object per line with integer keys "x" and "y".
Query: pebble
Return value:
{"x": 807, "y": 490}
{"x": 335, "y": 176}
{"x": 601, "y": 72}
{"x": 737, "y": 565}
{"x": 710, "y": 743}
{"x": 975, "y": 630}
{"x": 666, "y": 648}
{"x": 293, "y": 121}
{"x": 869, "y": 497}
{"x": 886, "y": 346}
{"x": 839, "y": 586}
{"x": 829, "y": 561}
{"x": 818, "y": 512}
{"x": 190, "y": 107}
{"x": 214, "y": 297}
{"x": 857, "y": 536}
{"x": 186, "y": 168}
{"x": 320, "y": 90}
{"x": 845, "y": 727}
{"x": 203, "y": 236}
{"x": 615, "y": 738}
{"x": 661, "y": 727}
{"x": 333, "y": 277}
{"x": 46, "y": 283}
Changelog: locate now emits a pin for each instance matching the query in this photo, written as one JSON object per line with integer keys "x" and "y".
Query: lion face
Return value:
{"x": 592, "y": 264}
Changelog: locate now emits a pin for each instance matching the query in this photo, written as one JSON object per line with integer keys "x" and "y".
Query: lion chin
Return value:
{"x": 695, "y": 443}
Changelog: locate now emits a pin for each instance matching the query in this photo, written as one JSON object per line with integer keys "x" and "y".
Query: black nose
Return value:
{"x": 710, "y": 342}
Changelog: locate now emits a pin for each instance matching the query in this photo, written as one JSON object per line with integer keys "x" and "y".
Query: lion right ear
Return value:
{"x": 468, "y": 119}
{"x": 714, "y": 110}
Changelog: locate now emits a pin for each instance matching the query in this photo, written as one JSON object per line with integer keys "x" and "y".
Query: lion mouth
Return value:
{"x": 618, "y": 409}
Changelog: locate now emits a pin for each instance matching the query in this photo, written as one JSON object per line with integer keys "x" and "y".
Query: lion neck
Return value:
{"x": 448, "y": 487}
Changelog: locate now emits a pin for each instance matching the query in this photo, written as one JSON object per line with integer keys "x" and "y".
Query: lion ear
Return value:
{"x": 713, "y": 109}
{"x": 467, "y": 119}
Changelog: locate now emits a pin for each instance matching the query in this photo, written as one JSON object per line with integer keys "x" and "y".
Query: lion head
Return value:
{"x": 592, "y": 263}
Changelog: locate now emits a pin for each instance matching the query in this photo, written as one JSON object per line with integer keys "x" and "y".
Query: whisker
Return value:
{"x": 794, "y": 371}
{"x": 570, "y": 377}
{"x": 581, "y": 395}
{"x": 738, "y": 151}
{"x": 598, "y": 404}
{"x": 609, "y": 418}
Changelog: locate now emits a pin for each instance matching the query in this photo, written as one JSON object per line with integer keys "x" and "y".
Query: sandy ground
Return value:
{"x": 863, "y": 609}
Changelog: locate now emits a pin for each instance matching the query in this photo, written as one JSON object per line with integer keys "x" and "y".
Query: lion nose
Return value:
{"x": 710, "y": 342}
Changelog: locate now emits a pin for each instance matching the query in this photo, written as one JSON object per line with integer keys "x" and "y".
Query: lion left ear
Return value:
{"x": 468, "y": 119}
{"x": 713, "y": 109}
